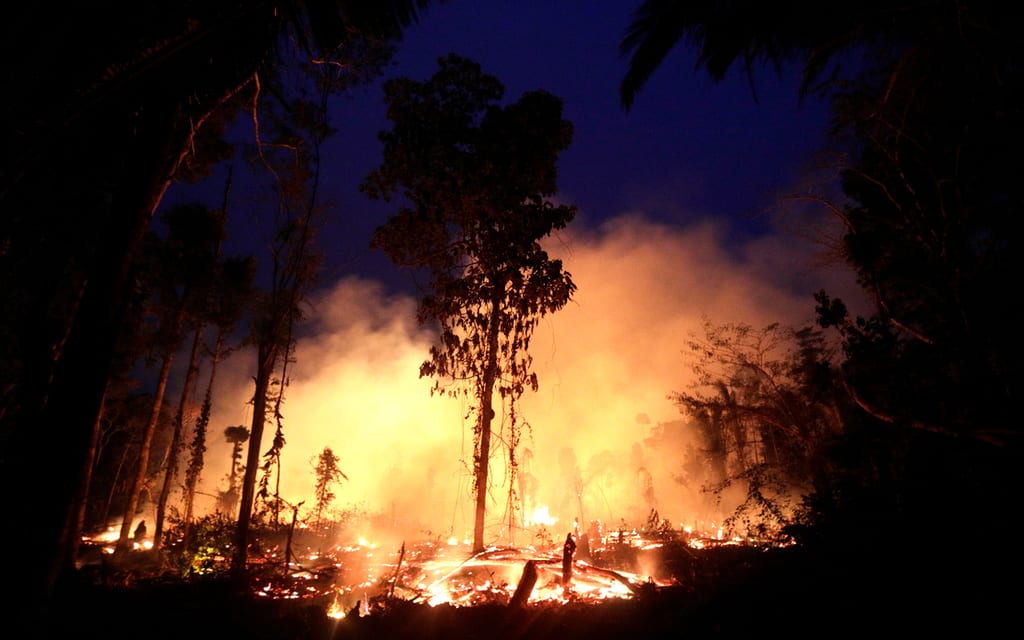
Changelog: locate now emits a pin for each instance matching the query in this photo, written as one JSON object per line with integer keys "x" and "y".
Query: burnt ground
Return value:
{"x": 724, "y": 592}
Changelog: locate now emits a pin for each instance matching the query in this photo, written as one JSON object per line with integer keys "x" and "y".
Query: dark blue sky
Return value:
{"x": 688, "y": 149}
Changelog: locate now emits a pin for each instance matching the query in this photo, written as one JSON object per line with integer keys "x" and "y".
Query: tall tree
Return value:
{"x": 85, "y": 164}
{"x": 234, "y": 284}
{"x": 477, "y": 177}
{"x": 186, "y": 262}
{"x": 328, "y": 474}
{"x": 289, "y": 149}
{"x": 171, "y": 460}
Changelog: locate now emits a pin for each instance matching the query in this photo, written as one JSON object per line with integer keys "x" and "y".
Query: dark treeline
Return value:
{"x": 110, "y": 104}
{"x": 926, "y": 103}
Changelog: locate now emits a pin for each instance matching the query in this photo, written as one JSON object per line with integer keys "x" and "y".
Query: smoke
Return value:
{"x": 602, "y": 440}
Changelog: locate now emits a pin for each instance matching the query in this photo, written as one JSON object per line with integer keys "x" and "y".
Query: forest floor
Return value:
{"x": 730, "y": 591}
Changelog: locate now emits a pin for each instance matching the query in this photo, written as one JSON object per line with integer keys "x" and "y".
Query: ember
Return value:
{"x": 365, "y": 578}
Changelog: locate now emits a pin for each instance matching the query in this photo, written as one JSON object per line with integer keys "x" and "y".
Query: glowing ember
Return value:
{"x": 365, "y": 578}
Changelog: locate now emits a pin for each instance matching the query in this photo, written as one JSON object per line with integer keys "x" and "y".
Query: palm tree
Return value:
{"x": 755, "y": 33}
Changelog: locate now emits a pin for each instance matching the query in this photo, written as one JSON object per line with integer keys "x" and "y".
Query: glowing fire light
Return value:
{"x": 365, "y": 578}
{"x": 541, "y": 515}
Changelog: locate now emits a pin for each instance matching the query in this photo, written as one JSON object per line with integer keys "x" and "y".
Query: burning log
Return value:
{"x": 616, "y": 576}
{"x": 398, "y": 568}
{"x": 526, "y": 584}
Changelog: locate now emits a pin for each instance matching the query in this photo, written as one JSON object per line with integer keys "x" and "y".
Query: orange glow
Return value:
{"x": 541, "y": 515}
{"x": 604, "y": 448}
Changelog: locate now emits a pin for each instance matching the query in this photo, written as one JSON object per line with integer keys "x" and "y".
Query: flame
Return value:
{"x": 367, "y": 577}
{"x": 541, "y": 515}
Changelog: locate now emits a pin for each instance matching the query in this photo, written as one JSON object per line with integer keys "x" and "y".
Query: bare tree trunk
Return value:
{"x": 288, "y": 543}
{"x": 174, "y": 450}
{"x": 77, "y": 525}
{"x": 65, "y": 398}
{"x": 195, "y": 465}
{"x": 115, "y": 481}
{"x": 265, "y": 367}
{"x": 147, "y": 442}
{"x": 481, "y": 461}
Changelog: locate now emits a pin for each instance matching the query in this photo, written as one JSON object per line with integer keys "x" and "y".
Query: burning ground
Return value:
{"x": 717, "y": 591}
{"x": 604, "y": 443}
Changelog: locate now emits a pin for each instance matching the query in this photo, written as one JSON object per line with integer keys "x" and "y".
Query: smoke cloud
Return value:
{"x": 602, "y": 442}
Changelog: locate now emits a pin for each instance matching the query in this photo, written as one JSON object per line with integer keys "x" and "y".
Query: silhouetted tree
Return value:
{"x": 477, "y": 177}
{"x": 328, "y": 474}
{"x": 768, "y": 404}
{"x": 236, "y": 436}
{"x": 927, "y": 108}
{"x": 85, "y": 164}
{"x": 234, "y": 283}
{"x": 186, "y": 262}
{"x": 294, "y": 265}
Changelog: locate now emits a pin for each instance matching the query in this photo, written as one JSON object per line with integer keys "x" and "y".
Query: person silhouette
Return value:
{"x": 140, "y": 532}
{"x": 567, "y": 552}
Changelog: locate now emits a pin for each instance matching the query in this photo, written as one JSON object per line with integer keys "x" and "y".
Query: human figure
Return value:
{"x": 568, "y": 549}
{"x": 140, "y": 532}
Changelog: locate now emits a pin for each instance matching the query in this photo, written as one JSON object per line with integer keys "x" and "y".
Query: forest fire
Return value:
{"x": 433, "y": 575}
{"x": 364, "y": 579}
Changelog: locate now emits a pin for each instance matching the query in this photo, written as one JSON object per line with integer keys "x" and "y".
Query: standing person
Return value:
{"x": 568, "y": 549}
{"x": 140, "y": 532}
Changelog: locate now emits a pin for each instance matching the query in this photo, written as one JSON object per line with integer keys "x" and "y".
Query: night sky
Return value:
{"x": 689, "y": 150}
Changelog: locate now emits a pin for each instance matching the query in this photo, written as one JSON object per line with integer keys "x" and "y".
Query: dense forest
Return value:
{"x": 901, "y": 443}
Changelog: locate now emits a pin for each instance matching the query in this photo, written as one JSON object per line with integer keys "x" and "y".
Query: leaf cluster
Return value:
{"x": 476, "y": 177}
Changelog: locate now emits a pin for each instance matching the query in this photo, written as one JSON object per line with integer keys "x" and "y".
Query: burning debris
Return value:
{"x": 591, "y": 565}
{"x": 364, "y": 579}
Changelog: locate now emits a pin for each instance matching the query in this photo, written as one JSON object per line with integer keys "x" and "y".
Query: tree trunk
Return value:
{"x": 147, "y": 440}
{"x": 265, "y": 367}
{"x": 64, "y": 400}
{"x": 196, "y": 462}
{"x": 288, "y": 543}
{"x": 174, "y": 450}
{"x": 85, "y": 484}
{"x": 481, "y": 462}
{"x": 115, "y": 481}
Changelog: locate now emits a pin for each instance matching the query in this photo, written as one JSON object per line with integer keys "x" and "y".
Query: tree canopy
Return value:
{"x": 114, "y": 101}
{"x": 926, "y": 101}
{"x": 475, "y": 178}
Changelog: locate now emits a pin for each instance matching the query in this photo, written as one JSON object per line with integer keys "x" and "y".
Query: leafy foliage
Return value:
{"x": 929, "y": 117}
{"x": 767, "y": 408}
{"x": 208, "y": 548}
{"x": 476, "y": 178}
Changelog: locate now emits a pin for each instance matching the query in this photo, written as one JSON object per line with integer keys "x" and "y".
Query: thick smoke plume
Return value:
{"x": 602, "y": 439}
